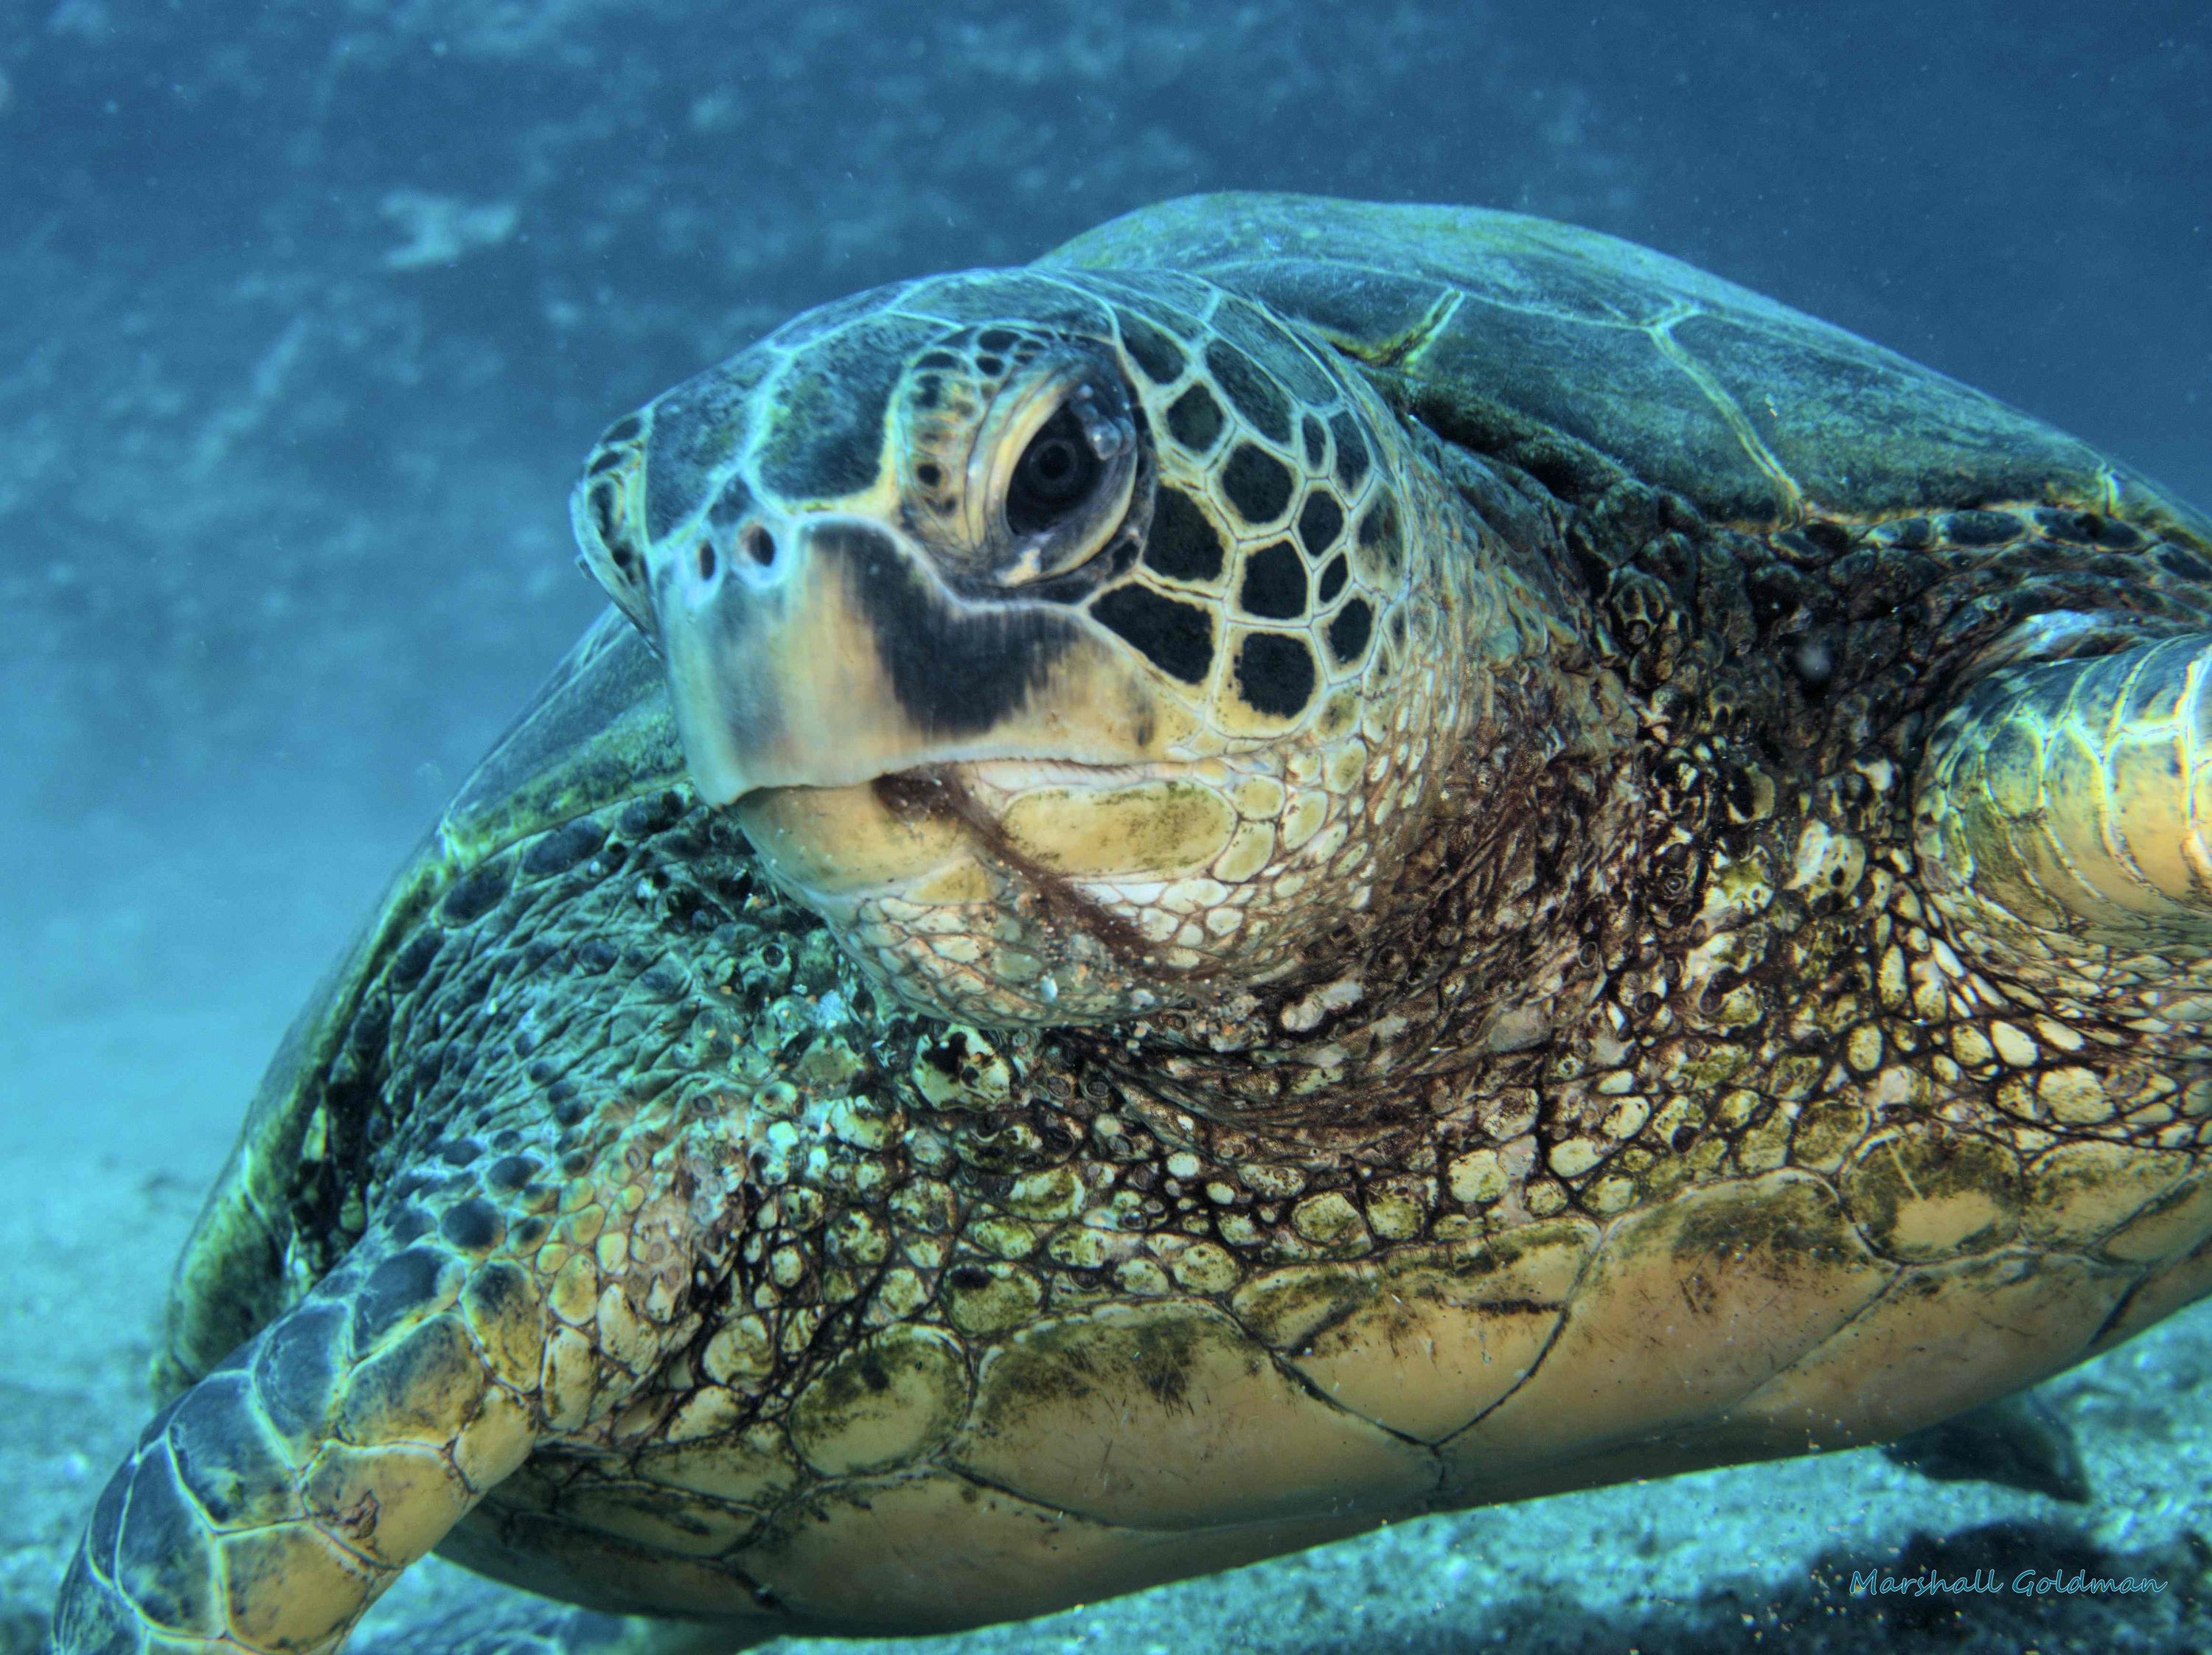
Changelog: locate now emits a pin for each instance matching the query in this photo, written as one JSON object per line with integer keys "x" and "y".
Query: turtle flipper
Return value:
{"x": 2075, "y": 798}
{"x": 266, "y": 1508}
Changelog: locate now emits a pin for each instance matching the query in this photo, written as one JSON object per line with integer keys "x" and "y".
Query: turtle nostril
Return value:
{"x": 759, "y": 544}
{"x": 707, "y": 562}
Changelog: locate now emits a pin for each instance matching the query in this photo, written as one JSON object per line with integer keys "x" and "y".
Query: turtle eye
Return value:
{"x": 1042, "y": 479}
{"x": 1056, "y": 472}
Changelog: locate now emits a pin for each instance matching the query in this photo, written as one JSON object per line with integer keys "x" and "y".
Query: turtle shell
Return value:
{"x": 1539, "y": 340}
{"x": 599, "y": 732}
{"x": 1501, "y": 332}
{"x": 1496, "y": 328}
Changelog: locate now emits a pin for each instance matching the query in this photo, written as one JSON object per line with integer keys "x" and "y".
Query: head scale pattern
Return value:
{"x": 1128, "y": 522}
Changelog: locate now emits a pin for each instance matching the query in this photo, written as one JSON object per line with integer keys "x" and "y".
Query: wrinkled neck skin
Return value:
{"x": 1419, "y": 861}
{"x": 1484, "y": 936}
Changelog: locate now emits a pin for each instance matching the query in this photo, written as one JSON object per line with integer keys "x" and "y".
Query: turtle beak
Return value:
{"x": 821, "y": 651}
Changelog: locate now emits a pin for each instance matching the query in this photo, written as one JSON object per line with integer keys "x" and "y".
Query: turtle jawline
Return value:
{"x": 939, "y": 791}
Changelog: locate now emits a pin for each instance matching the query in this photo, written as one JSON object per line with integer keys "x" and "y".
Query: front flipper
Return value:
{"x": 267, "y": 1508}
{"x": 487, "y": 1310}
{"x": 2075, "y": 798}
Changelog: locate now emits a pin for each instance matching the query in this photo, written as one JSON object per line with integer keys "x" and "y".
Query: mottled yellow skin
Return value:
{"x": 1752, "y": 1007}
{"x": 1008, "y": 1329}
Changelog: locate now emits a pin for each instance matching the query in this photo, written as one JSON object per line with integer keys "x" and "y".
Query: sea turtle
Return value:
{"x": 1308, "y": 862}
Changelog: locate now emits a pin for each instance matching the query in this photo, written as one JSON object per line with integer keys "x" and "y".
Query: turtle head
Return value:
{"x": 1046, "y": 634}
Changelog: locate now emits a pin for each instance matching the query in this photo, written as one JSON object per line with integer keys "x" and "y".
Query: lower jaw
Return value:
{"x": 840, "y": 842}
{"x": 905, "y": 828}
{"x": 943, "y": 917}
{"x": 919, "y": 879}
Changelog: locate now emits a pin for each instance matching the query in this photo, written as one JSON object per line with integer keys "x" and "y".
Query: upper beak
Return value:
{"x": 821, "y": 651}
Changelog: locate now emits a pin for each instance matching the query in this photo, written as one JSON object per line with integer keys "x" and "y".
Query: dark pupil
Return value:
{"x": 1052, "y": 466}
{"x": 1056, "y": 471}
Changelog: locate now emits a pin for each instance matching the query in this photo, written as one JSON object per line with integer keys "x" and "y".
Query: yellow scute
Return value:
{"x": 1169, "y": 1415}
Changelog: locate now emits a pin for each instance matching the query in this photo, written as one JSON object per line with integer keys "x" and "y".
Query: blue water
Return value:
{"x": 307, "y": 311}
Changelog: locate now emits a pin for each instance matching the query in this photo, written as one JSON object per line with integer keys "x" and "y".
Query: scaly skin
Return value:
{"x": 2074, "y": 797}
{"x": 1018, "y": 1302}
{"x": 269, "y": 1505}
{"x": 1013, "y": 807}
{"x": 1654, "y": 1056}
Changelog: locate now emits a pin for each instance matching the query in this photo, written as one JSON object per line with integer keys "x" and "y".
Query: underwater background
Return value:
{"x": 308, "y": 311}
